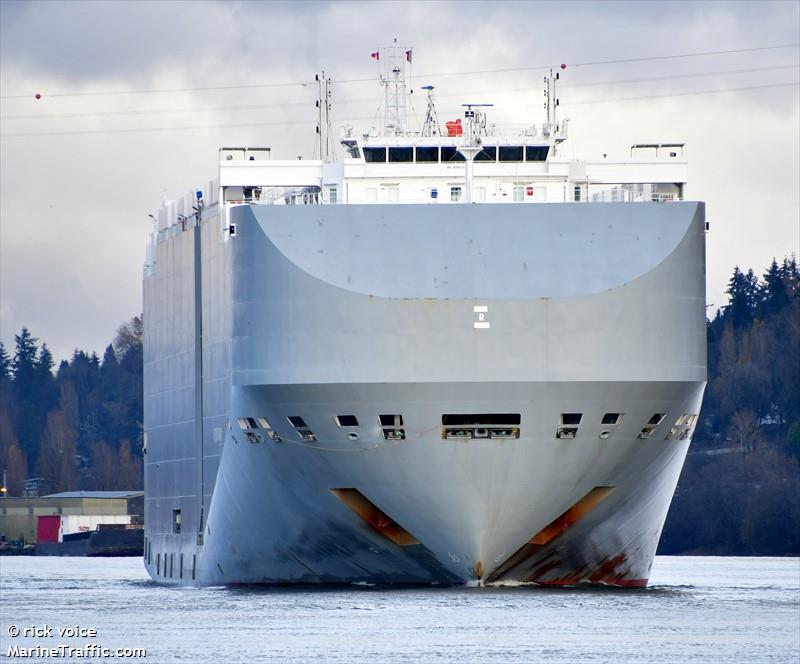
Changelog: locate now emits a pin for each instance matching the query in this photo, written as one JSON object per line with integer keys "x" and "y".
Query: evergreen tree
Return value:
{"x": 743, "y": 292}
{"x": 5, "y": 364}
{"x": 28, "y": 417}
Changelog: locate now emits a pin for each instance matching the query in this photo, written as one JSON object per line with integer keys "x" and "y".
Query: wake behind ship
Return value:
{"x": 454, "y": 356}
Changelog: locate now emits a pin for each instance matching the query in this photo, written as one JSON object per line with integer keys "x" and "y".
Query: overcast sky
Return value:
{"x": 74, "y": 205}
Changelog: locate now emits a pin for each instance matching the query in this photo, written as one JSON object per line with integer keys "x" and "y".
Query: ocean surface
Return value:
{"x": 696, "y": 609}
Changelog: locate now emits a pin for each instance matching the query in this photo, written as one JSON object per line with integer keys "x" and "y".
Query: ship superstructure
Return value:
{"x": 453, "y": 355}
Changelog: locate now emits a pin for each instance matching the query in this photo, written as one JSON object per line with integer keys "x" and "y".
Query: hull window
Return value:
{"x": 656, "y": 419}
{"x": 571, "y": 419}
{"x": 611, "y": 418}
{"x": 297, "y": 422}
{"x": 346, "y": 420}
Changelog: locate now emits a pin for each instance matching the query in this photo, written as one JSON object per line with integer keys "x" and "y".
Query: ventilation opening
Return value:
{"x": 656, "y": 419}
{"x": 374, "y": 516}
{"x": 480, "y": 419}
{"x": 394, "y": 434}
{"x": 480, "y": 426}
{"x": 391, "y": 420}
{"x": 263, "y": 423}
{"x": 346, "y": 420}
{"x": 297, "y": 422}
{"x": 646, "y": 432}
{"x": 567, "y": 433}
{"x": 176, "y": 522}
{"x": 571, "y": 419}
{"x": 611, "y": 418}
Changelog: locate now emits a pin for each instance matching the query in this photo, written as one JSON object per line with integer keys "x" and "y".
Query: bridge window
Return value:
{"x": 536, "y": 152}
{"x": 489, "y": 153}
{"x": 510, "y": 153}
{"x": 451, "y": 154}
{"x": 401, "y": 154}
{"x": 427, "y": 154}
{"x": 374, "y": 155}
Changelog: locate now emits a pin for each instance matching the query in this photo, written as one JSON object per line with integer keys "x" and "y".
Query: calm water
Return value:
{"x": 731, "y": 610}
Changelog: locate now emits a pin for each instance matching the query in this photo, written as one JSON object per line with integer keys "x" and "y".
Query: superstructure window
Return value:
{"x": 401, "y": 154}
{"x": 536, "y": 152}
{"x": 510, "y": 153}
{"x": 176, "y": 522}
{"x": 427, "y": 154}
{"x": 455, "y": 194}
{"x": 489, "y": 153}
{"x": 346, "y": 420}
{"x": 374, "y": 155}
{"x": 451, "y": 154}
{"x": 577, "y": 193}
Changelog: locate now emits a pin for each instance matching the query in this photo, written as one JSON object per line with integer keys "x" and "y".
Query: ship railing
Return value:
{"x": 634, "y": 193}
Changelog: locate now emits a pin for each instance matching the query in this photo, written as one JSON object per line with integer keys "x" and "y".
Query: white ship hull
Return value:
{"x": 320, "y": 312}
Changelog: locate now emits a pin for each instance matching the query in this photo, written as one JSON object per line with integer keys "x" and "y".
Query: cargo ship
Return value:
{"x": 449, "y": 355}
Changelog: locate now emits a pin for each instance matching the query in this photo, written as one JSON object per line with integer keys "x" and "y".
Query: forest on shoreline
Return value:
{"x": 79, "y": 425}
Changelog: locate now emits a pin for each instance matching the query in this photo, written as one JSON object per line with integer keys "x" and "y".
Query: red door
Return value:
{"x": 47, "y": 528}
